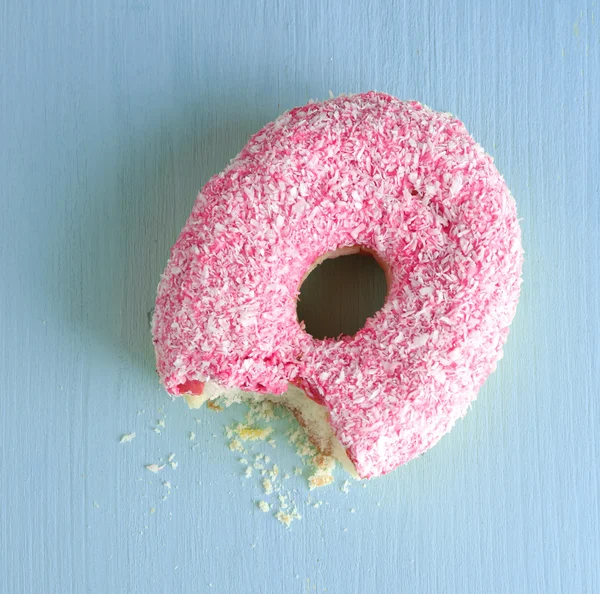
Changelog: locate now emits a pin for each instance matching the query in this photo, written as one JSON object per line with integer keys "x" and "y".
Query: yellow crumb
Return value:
{"x": 235, "y": 445}
{"x": 267, "y": 486}
{"x": 319, "y": 479}
{"x": 247, "y": 433}
{"x": 263, "y": 506}
{"x": 287, "y": 518}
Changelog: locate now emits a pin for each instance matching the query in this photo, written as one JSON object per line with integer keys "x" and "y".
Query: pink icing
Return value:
{"x": 395, "y": 178}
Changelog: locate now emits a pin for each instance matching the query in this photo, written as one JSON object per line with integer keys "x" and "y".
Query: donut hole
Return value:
{"x": 341, "y": 291}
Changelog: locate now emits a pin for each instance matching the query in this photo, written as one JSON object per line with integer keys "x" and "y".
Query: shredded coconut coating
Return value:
{"x": 396, "y": 178}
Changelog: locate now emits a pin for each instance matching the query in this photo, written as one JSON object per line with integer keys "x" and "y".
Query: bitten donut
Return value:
{"x": 363, "y": 172}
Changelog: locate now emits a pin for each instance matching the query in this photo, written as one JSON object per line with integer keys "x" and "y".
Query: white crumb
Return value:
{"x": 127, "y": 437}
{"x": 174, "y": 465}
{"x": 263, "y": 506}
{"x": 171, "y": 458}
{"x": 345, "y": 487}
{"x": 192, "y": 436}
{"x": 154, "y": 468}
{"x": 248, "y": 472}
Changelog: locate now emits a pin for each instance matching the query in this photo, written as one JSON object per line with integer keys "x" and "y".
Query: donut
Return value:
{"x": 360, "y": 173}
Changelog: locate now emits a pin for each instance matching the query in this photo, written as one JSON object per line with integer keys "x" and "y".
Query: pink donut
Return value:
{"x": 362, "y": 172}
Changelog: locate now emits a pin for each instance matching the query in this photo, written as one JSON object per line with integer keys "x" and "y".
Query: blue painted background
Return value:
{"x": 112, "y": 115}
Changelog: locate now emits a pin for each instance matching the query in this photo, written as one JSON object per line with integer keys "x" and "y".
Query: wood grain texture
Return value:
{"x": 112, "y": 115}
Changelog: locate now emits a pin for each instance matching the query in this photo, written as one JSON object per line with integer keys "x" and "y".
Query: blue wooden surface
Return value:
{"x": 112, "y": 115}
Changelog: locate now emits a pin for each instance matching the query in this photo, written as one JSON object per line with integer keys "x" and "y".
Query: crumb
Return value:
{"x": 174, "y": 465}
{"x": 161, "y": 423}
{"x": 212, "y": 405}
{"x": 267, "y": 459}
{"x": 96, "y": 504}
{"x": 267, "y": 486}
{"x": 319, "y": 479}
{"x": 154, "y": 468}
{"x": 272, "y": 443}
{"x": 286, "y": 519}
{"x": 127, "y": 437}
{"x": 286, "y": 475}
{"x": 171, "y": 458}
{"x": 248, "y": 472}
{"x": 192, "y": 436}
{"x": 345, "y": 488}
{"x": 235, "y": 445}
{"x": 247, "y": 433}
{"x": 263, "y": 506}
{"x": 167, "y": 484}
{"x": 198, "y": 421}
{"x": 243, "y": 461}
{"x": 352, "y": 511}
{"x": 298, "y": 470}
{"x": 152, "y": 510}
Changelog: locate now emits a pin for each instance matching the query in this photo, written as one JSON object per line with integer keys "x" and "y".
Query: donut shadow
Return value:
{"x": 117, "y": 239}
